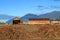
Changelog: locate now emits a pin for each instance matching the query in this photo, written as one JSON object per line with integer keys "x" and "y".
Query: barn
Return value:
{"x": 17, "y": 20}
{"x": 39, "y": 21}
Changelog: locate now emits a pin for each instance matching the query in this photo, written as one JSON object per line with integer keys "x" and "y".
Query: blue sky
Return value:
{"x": 23, "y": 7}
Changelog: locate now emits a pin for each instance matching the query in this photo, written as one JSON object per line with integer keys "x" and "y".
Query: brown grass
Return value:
{"x": 30, "y": 32}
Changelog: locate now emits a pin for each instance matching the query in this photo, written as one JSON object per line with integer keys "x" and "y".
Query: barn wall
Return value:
{"x": 16, "y": 21}
{"x": 38, "y": 22}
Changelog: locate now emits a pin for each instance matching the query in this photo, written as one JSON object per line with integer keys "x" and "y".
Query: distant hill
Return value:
{"x": 29, "y": 15}
{"x": 4, "y": 18}
{"x": 51, "y": 15}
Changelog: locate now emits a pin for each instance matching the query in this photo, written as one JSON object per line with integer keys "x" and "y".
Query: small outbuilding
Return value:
{"x": 17, "y": 20}
{"x": 55, "y": 22}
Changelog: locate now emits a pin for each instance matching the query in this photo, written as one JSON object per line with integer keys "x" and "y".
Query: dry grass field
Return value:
{"x": 30, "y": 32}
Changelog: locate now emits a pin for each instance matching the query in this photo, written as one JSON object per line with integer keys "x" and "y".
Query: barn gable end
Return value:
{"x": 16, "y": 20}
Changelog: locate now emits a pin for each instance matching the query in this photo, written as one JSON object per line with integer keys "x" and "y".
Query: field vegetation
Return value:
{"x": 30, "y": 32}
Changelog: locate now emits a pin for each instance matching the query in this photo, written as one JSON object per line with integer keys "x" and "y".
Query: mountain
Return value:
{"x": 29, "y": 15}
{"x": 51, "y": 15}
{"x": 4, "y": 18}
{"x": 25, "y": 18}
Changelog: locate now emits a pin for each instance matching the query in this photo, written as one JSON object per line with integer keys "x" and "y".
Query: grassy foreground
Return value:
{"x": 30, "y": 32}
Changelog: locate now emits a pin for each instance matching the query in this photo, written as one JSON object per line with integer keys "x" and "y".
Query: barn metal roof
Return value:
{"x": 39, "y": 19}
